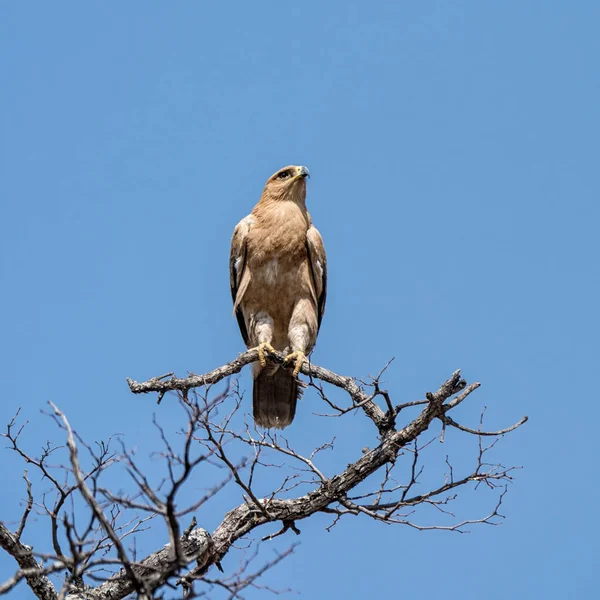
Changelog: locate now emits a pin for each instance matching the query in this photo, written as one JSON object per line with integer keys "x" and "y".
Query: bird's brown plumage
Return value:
{"x": 278, "y": 275}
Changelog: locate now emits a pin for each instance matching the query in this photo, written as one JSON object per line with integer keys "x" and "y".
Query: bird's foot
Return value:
{"x": 298, "y": 357}
{"x": 261, "y": 352}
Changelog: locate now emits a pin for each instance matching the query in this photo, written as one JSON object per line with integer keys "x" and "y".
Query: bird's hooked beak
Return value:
{"x": 303, "y": 172}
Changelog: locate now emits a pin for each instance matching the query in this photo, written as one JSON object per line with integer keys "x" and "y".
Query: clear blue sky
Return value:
{"x": 454, "y": 150}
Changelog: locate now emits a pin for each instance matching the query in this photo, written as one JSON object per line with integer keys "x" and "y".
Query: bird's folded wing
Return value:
{"x": 317, "y": 261}
{"x": 239, "y": 275}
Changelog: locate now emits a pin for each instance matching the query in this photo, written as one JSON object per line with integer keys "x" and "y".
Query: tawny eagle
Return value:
{"x": 278, "y": 274}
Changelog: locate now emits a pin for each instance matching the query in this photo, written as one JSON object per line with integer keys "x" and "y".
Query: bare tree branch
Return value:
{"x": 27, "y": 510}
{"x": 91, "y": 552}
{"x": 449, "y": 421}
{"x": 39, "y": 583}
{"x": 96, "y": 509}
{"x": 348, "y": 384}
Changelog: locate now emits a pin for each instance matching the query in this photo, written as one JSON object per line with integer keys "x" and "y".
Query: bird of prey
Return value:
{"x": 278, "y": 275}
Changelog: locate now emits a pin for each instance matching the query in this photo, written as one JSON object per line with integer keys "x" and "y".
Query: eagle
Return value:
{"x": 278, "y": 276}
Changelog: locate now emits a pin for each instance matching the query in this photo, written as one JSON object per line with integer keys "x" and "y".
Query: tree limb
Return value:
{"x": 348, "y": 384}
{"x": 39, "y": 583}
{"x": 326, "y": 494}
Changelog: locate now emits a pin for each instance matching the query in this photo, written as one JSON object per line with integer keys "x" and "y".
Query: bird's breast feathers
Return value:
{"x": 278, "y": 236}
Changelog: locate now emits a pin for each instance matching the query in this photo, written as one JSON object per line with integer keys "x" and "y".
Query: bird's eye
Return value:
{"x": 283, "y": 175}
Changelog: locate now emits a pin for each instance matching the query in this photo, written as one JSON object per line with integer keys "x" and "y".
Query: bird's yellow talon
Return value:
{"x": 298, "y": 358}
{"x": 261, "y": 352}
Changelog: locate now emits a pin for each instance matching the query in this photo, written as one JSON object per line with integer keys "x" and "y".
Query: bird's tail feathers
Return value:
{"x": 274, "y": 397}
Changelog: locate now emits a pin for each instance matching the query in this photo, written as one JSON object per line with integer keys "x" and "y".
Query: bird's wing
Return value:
{"x": 317, "y": 261}
{"x": 239, "y": 275}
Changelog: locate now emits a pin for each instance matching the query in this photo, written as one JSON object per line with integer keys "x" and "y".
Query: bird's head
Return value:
{"x": 288, "y": 183}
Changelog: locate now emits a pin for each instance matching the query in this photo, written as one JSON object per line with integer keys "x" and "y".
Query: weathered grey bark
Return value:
{"x": 196, "y": 545}
{"x": 153, "y": 569}
{"x": 169, "y": 382}
{"x": 248, "y": 516}
{"x": 39, "y": 583}
{"x": 329, "y": 495}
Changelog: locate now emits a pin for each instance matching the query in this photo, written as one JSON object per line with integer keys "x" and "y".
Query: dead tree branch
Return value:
{"x": 99, "y": 565}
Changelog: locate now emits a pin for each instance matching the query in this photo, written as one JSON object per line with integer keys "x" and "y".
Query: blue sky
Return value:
{"x": 453, "y": 148}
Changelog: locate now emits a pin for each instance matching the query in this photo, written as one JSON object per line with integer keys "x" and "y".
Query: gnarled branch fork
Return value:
{"x": 207, "y": 441}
